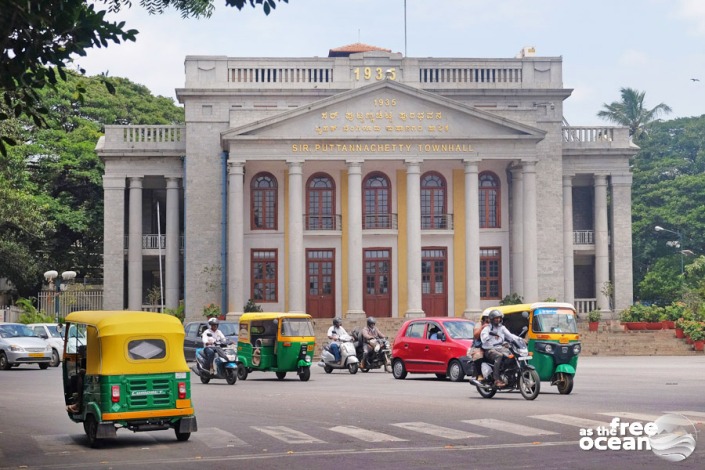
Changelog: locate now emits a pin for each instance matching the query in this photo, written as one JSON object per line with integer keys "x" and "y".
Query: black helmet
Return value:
{"x": 371, "y": 321}
{"x": 496, "y": 314}
{"x": 337, "y": 321}
{"x": 213, "y": 321}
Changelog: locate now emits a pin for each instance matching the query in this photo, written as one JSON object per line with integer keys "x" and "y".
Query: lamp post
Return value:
{"x": 658, "y": 228}
{"x": 58, "y": 286}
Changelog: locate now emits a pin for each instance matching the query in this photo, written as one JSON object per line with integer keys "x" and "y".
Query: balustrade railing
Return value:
{"x": 377, "y": 221}
{"x": 585, "y": 305}
{"x": 153, "y": 241}
{"x": 323, "y": 222}
{"x": 437, "y": 222}
{"x": 583, "y": 237}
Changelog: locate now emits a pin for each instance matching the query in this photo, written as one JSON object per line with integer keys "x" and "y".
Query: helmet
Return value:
{"x": 496, "y": 314}
{"x": 213, "y": 321}
{"x": 337, "y": 321}
{"x": 371, "y": 321}
{"x": 484, "y": 317}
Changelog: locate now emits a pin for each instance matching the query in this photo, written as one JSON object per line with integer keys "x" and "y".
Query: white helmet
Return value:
{"x": 213, "y": 321}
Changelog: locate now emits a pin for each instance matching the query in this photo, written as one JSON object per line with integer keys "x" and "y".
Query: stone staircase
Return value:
{"x": 610, "y": 340}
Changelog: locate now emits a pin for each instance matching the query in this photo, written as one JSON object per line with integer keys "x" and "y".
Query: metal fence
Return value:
{"x": 77, "y": 298}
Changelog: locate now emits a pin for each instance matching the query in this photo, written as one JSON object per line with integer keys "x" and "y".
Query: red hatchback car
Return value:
{"x": 432, "y": 345}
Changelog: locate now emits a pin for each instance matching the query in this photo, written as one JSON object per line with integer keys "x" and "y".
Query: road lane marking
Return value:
{"x": 438, "y": 431}
{"x": 571, "y": 421}
{"x": 506, "y": 426}
{"x": 365, "y": 434}
{"x": 288, "y": 435}
{"x": 216, "y": 438}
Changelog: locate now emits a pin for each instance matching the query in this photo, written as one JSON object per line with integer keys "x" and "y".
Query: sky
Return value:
{"x": 654, "y": 46}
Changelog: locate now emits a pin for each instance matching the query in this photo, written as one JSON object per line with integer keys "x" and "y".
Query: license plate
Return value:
{"x": 36, "y": 355}
{"x": 563, "y": 340}
{"x": 524, "y": 358}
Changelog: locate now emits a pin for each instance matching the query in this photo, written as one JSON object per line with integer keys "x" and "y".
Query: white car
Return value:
{"x": 19, "y": 344}
{"x": 52, "y": 334}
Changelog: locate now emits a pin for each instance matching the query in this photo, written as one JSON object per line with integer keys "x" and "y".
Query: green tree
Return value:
{"x": 38, "y": 38}
{"x": 51, "y": 195}
{"x": 631, "y": 112}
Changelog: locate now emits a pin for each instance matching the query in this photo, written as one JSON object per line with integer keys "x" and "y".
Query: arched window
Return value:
{"x": 489, "y": 200}
{"x": 263, "y": 201}
{"x": 376, "y": 208}
{"x": 433, "y": 201}
{"x": 320, "y": 194}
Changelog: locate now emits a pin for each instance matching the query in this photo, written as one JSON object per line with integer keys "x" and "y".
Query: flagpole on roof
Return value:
{"x": 405, "y": 28}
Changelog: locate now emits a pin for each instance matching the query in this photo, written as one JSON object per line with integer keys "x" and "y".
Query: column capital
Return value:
{"x": 470, "y": 165}
{"x": 136, "y": 181}
{"x": 172, "y": 182}
{"x": 568, "y": 180}
{"x": 599, "y": 179}
{"x": 413, "y": 166}
{"x": 114, "y": 182}
{"x": 236, "y": 167}
{"x": 622, "y": 180}
{"x": 354, "y": 166}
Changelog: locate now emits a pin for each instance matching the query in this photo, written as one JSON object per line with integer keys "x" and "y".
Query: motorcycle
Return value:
{"x": 516, "y": 373}
{"x": 380, "y": 356}
{"x": 348, "y": 357}
{"x": 224, "y": 363}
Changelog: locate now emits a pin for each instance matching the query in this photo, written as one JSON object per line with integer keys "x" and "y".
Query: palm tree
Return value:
{"x": 630, "y": 112}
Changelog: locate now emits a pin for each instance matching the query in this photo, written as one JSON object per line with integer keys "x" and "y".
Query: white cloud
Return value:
{"x": 693, "y": 11}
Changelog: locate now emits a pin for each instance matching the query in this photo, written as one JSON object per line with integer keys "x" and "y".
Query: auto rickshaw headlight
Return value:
{"x": 309, "y": 359}
{"x": 549, "y": 348}
{"x": 576, "y": 349}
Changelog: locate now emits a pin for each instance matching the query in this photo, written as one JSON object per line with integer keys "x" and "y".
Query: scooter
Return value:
{"x": 224, "y": 363}
{"x": 348, "y": 359}
{"x": 516, "y": 372}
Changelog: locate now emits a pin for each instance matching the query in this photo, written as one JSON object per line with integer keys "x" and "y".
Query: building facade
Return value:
{"x": 368, "y": 183}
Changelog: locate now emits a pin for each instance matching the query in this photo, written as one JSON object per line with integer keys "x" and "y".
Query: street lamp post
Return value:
{"x": 658, "y": 228}
{"x": 58, "y": 286}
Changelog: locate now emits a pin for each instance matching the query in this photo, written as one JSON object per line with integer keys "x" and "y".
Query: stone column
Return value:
{"x": 297, "y": 272}
{"x": 517, "y": 232}
{"x": 134, "y": 247}
{"x": 114, "y": 242}
{"x": 531, "y": 291}
{"x": 413, "y": 229}
{"x": 236, "y": 238}
{"x": 172, "y": 266}
{"x": 472, "y": 240}
{"x": 622, "y": 241}
{"x": 354, "y": 229}
{"x": 568, "y": 262}
{"x": 602, "y": 261}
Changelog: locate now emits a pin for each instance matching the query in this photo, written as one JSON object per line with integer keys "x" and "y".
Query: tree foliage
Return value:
{"x": 39, "y": 38}
{"x": 631, "y": 112}
{"x": 51, "y": 195}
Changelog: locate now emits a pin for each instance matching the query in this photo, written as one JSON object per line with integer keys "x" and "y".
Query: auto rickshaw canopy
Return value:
{"x": 125, "y": 342}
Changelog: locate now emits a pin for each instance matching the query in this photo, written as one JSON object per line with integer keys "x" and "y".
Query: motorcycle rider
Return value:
{"x": 334, "y": 334}
{"x": 210, "y": 337}
{"x": 369, "y": 333}
{"x": 493, "y": 336}
{"x": 477, "y": 354}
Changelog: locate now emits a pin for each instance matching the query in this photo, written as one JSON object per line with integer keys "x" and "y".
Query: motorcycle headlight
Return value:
{"x": 377, "y": 348}
{"x": 231, "y": 357}
{"x": 309, "y": 359}
{"x": 576, "y": 349}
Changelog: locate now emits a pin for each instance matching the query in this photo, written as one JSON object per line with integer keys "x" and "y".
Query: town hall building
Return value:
{"x": 366, "y": 183}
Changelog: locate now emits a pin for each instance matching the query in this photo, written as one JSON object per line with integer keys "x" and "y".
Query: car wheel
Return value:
{"x": 4, "y": 363}
{"x": 455, "y": 371}
{"x": 55, "y": 361}
{"x": 43, "y": 365}
{"x": 398, "y": 369}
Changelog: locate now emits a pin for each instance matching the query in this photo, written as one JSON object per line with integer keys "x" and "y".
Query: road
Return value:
{"x": 368, "y": 420}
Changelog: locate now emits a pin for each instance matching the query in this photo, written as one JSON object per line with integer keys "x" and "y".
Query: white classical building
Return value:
{"x": 368, "y": 183}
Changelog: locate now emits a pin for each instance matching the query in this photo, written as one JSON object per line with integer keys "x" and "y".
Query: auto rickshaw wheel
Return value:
{"x": 90, "y": 426}
{"x": 328, "y": 369}
{"x": 55, "y": 361}
{"x": 529, "y": 384}
{"x": 352, "y": 368}
{"x": 281, "y": 375}
{"x": 231, "y": 376}
{"x": 564, "y": 383}
{"x": 305, "y": 374}
{"x": 204, "y": 379}
{"x": 242, "y": 372}
{"x": 181, "y": 436}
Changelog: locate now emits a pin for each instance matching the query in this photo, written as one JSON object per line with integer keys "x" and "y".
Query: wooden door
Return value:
{"x": 377, "y": 298}
{"x": 320, "y": 269}
{"x": 434, "y": 282}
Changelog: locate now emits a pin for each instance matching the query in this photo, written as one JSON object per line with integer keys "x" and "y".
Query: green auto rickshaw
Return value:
{"x": 126, "y": 369}
{"x": 552, "y": 338}
{"x": 278, "y": 342}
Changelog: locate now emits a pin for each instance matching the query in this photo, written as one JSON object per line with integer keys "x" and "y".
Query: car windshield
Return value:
{"x": 297, "y": 327}
{"x": 16, "y": 331}
{"x": 553, "y": 320}
{"x": 53, "y": 331}
{"x": 228, "y": 329}
{"x": 459, "y": 329}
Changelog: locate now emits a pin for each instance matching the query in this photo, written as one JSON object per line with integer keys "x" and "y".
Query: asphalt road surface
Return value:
{"x": 370, "y": 420}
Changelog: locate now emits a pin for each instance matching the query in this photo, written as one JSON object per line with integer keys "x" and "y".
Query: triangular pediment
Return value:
{"x": 386, "y": 110}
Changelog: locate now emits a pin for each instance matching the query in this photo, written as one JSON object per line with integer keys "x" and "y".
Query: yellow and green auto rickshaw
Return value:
{"x": 552, "y": 338}
{"x": 279, "y": 342}
{"x": 126, "y": 369}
